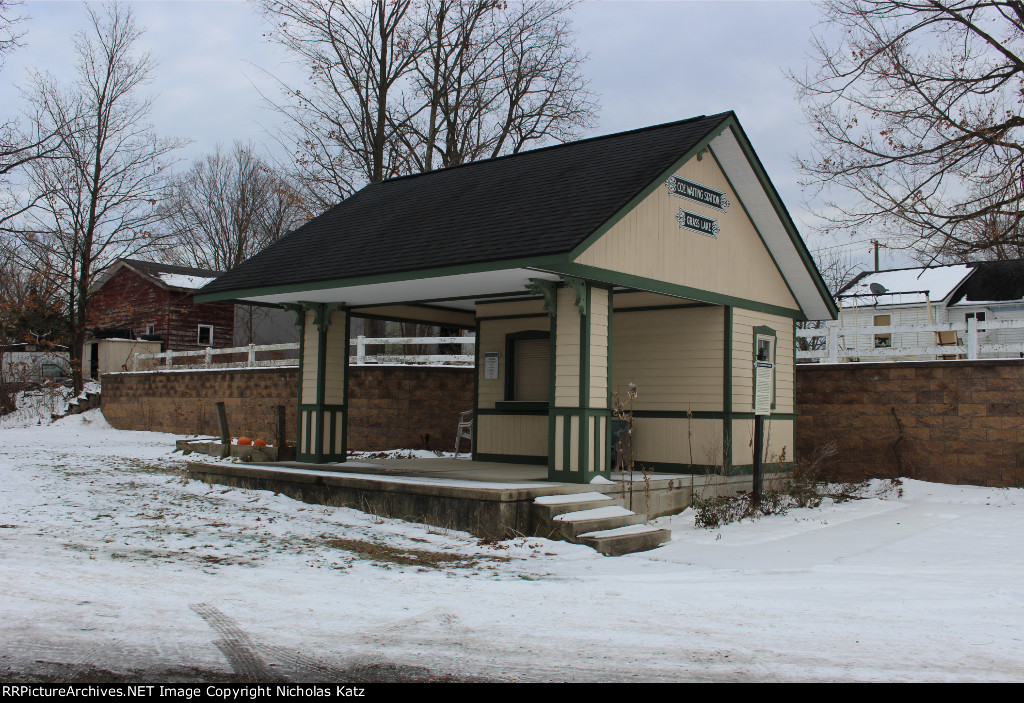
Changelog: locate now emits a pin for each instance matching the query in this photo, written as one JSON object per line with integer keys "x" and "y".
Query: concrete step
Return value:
{"x": 571, "y": 525}
{"x": 551, "y": 506}
{"x": 626, "y": 540}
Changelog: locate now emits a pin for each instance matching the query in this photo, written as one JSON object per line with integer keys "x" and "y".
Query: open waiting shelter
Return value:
{"x": 661, "y": 258}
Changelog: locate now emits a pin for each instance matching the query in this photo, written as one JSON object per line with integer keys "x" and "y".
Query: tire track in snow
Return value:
{"x": 235, "y": 644}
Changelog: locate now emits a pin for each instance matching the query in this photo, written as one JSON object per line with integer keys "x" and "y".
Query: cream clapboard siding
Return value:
{"x": 778, "y": 435}
{"x": 309, "y": 359}
{"x": 598, "y": 313}
{"x": 624, "y": 300}
{"x": 492, "y": 339}
{"x": 648, "y": 242}
{"x": 523, "y": 435}
{"x": 744, "y": 322}
{"x": 670, "y": 440}
{"x": 675, "y": 357}
{"x": 334, "y": 373}
{"x": 567, "y": 350}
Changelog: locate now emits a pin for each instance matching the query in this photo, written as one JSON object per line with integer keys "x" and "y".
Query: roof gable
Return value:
{"x": 907, "y": 286}
{"x": 531, "y": 212}
{"x": 184, "y": 278}
{"x": 650, "y": 241}
{"x": 991, "y": 282}
{"x": 535, "y": 203}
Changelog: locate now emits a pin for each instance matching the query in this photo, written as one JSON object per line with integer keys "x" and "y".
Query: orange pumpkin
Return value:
{"x": 244, "y": 441}
{"x": 259, "y": 443}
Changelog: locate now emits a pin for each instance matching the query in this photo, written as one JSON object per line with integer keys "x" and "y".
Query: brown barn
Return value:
{"x": 155, "y": 300}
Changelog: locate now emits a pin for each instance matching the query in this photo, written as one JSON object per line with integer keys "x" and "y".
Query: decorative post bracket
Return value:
{"x": 580, "y": 286}
{"x": 538, "y": 286}
{"x": 322, "y": 312}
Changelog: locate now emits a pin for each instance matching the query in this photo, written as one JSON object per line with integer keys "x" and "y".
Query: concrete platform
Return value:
{"x": 489, "y": 499}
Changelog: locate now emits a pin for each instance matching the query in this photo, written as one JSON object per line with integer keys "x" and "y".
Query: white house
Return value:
{"x": 987, "y": 291}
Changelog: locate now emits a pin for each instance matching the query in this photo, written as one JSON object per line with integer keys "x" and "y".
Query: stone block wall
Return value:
{"x": 390, "y": 406}
{"x": 944, "y": 421}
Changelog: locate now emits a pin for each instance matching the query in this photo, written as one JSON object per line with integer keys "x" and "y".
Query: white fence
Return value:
{"x": 288, "y": 355}
{"x": 876, "y": 343}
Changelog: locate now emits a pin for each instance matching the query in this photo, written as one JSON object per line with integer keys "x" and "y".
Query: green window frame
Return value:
{"x": 763, "y": 333}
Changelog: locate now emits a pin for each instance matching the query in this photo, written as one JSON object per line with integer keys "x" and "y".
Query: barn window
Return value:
{"x": 528, "y": 366}
{"x": 205, "y": 337}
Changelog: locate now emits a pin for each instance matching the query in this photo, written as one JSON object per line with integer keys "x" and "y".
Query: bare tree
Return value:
{"x": 103, "y": 186}
{"x": 11, "y": 31}
{"x": 17, "y": 149}
{"x": 495, "y": 77}
{"x": 916, "y": 113}
{"x": 837, "y": 269}
{"x": 227, "y": 208}
{"x": 398, "y": 87}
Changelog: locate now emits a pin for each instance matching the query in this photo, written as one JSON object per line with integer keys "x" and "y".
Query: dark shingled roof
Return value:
{"x": 151, "y": 268}
{"x": 992, "y": 281}
{"x": 535, "y": 203}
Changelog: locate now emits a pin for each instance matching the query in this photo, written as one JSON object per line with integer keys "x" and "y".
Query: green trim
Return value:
{"x": 611, "y": 345}
{"x": 583, "y": 300}
{"x": 415, "y": 304}
{"x": 302, "y": 363}
{"x": 706, "y": 414}
{"x": 708, "y": 469}
{"x": 548, "y": 291}
{"x": 765, "y": 331}
{"x": 344, "y": 385}
{"x": 784, "y": 217}
{"x": 425, "y": 301}
{"x": 585, "y": 442}
{"x": 514, "y": 317}
{"x": 645, "y": 308}
{"x": 322, "y": 414}
{"x": 414, "y": 321}
{"x": 477, "y": 370}
{"x": 530, "y": 262}
{"x": 480, "y": 299}
{"x": 553, "y": 326}
{"x": 727, "y": 315}
{"x": 510, "y": 357}
{"x": 512, "y": 458}
{"x": 756, "y": 229}
{"x": 321, "y": 381}
{"x": 672, "y": 289}
{"x": 517, "y": 407}
{"x": 658, "y": 183}
{"x": 584, "y": 377}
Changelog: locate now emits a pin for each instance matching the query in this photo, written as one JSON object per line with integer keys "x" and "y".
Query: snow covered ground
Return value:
{"x": 111, "y": 561}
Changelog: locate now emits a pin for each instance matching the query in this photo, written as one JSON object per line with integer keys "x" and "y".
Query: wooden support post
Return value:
{"x": 758, "y": 455}
{"x": 225, "y": 436}
{"x": 281, "y": 440}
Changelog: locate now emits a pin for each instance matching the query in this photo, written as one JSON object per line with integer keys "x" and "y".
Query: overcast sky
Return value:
{"x": 650, "y": 62}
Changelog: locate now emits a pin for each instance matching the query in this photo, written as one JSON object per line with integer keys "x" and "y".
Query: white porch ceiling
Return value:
{"x": 457, "y": 292}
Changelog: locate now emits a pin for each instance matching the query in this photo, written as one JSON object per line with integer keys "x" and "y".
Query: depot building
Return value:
{"x": 660, "y": 258}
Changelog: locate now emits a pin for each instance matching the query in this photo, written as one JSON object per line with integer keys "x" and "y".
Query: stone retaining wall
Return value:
{"x": 390, "y": 406}
{"x": 945, "y": 421}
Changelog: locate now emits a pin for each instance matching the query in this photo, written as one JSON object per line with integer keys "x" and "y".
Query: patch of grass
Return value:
{"x": 407, "y": 556}
{"x": 806, "y": 487}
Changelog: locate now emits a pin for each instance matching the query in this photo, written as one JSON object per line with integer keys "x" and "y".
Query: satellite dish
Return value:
{"x": 877, "y": 289}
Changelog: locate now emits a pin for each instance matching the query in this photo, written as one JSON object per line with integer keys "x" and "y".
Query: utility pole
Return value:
{"x": 877, "y": 244}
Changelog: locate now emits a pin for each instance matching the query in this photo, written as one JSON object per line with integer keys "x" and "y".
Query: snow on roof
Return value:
{"x": 178, "y": 280}
{"x": 905, "y": 286}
